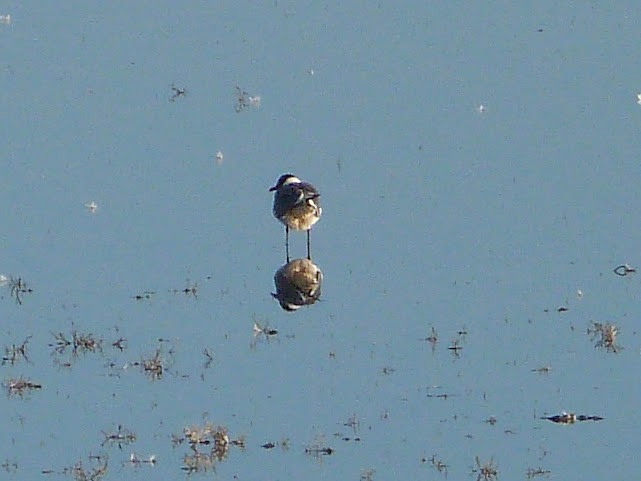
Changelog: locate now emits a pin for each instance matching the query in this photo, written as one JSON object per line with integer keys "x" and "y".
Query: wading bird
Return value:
{"x": 296, "y": 204}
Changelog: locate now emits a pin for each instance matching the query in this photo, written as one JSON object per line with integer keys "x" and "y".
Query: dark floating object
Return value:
{"x": 316, "y": 451}
{"x": 624, "y": 270}
{"x": 268, "y": 445}
{"x": 189, "y": 289}
{"x": 144, "y": 295}
{"x": 571, "y": 418}
{"x": 562, "y": 309}
{"x": 17, "y": 286}
{"x": 298, "y": 283}
{"x": 177, "y": 92}
{"x": 120, "y": 438}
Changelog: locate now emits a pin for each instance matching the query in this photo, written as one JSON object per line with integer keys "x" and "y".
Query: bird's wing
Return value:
{"x": 288, "y": 197}
{"x": 309, "y": 191}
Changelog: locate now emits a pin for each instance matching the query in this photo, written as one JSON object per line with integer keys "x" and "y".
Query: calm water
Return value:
{"x": 478, "y": 170}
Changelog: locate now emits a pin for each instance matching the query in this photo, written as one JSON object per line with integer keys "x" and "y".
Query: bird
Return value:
{"x": 297, "y": 205}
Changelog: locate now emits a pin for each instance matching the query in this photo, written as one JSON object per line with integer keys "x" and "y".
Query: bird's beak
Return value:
{"x": 271, "y": 189}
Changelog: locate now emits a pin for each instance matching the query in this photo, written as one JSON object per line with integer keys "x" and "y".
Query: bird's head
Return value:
{"x": 284, "y": 180}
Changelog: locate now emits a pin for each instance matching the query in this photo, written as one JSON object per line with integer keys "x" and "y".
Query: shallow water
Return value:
{"x": 478, "y": 174}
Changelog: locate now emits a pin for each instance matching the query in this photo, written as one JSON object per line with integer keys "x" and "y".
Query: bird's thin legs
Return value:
{"x": 309, "y": 255}
{"x": 287, "y": 242}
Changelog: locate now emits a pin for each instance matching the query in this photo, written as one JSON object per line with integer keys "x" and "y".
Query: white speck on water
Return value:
{"x": 254, "y": 101}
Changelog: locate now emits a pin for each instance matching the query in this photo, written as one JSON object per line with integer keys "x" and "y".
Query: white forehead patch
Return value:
{"x": 292, "y": 180}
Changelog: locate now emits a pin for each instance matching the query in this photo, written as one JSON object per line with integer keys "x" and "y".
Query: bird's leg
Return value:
{"x": 287, "y": 242}
{"x": 309, "y": 255}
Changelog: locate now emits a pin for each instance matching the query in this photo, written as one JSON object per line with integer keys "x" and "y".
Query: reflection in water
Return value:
{"x": 298, "y": 283}
{"x": 209, "y": 444}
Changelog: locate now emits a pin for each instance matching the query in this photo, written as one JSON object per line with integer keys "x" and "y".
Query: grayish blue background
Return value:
{"x": 436, "y": 214}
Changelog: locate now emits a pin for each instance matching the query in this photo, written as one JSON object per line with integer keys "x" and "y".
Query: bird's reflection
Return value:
{"x": 298, "y": 283}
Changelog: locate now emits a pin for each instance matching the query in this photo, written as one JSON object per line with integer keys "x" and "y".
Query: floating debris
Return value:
{"x": 491, "y": 421}
{"x": 432, "y": 339}
{"x": 440, "y": 396}
{"x": 319, "y": 451}
{"x": 570, "y": 418}
{"x": 199, "y": 462}
{"x": 368, "y": 475}
{"x": 352, "y": 423}
{"x": 10, "y": 467}
{"x": 437, "y": 464}
{"x": 244, "y": 100}
{"x": 144, "y": 295}
{"x": 624, "y": 270}
{"x": 457, "y": 343}
{"x": 219, "y": 158}
{"x": 605, "y": 335}
{"x": 92, "y": 473}
{"x": 136, "y": 460}
{"x": 267, "y": 331}
{"x": 208, "y": 435}
{"x": 189, "y": 289}
{"x": 177, "y": 92}
{"x": 18, "y": 287}
{"x": 121, "y": 438}
{"x": 318, "y": 448}
{"x": 154, "y": 366}
{"x": 5, "y": 19}
{"x": 259, "y": 332}
{"x": 455, "y": 347}
{"x": 19, "y": 386}
{"x": 120, "y": 344}
{"x": 542, "y": 370}
{"x": 639, "y": 99}
{"x": 534, "y": 472}
{"x": 487, "y": 471}
{"x": 80, "y": 343}
{"x": 91, "y": 207}
{"x": 284, "y": 444}
{"x": 209, "y": 358}
{"x": 13, "y": 353}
